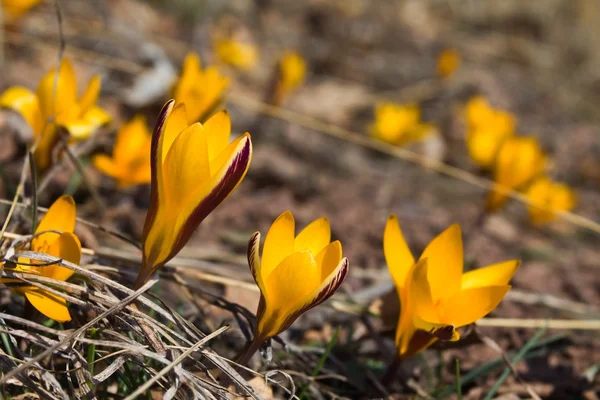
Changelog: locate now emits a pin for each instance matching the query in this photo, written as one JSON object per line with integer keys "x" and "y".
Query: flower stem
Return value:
{"x": 249, "y": 350}
{"x": 390, "y": 373}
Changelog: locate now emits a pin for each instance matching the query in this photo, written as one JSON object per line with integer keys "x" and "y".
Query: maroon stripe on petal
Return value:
{"x": 158, "y": 131}
{"x": 323, "y": 295}
{"x": 253, "y": 257}
{"x": 233, "y": 175}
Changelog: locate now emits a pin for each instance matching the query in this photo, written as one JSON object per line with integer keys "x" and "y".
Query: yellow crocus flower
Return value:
{"x": 14, "y": 9}
{"x": 399, "y": 124}
{"x": 238, "y": 54}
{"x": 53, "y": 106}
{"x": 436, "y": 296}
{"x": 295, "y": 274}
{"x": 130, "y": 162}
{"x": 291, "y": 74}
{"x": 62, "y": 244}
{"x": 447, "y": 63}
{"x": 549, "y": 196}
{"x": 519, "y": 160}
{"x": 487, "y": 130}
{"x": 193, "y": 169}
{"x": 200, "y": 89}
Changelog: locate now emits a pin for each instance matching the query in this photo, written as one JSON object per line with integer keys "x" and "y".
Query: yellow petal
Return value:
{"x": 61, "y": 216}
{"x": 329, "y": 258}
{"x": 398, "y": 257}
{"x": 186, "y": 167}
{"x": 445, "y": 263}
{"x": 314, "y": 237}
{"x": 189, "y": 76}
{"x": 217, "y": 130}
{"x": 25, "y": 102}
{"x": 90, "y": 96}
{"x": 107, "y": 166}
{"x": 16, "y": 8}
{"x": 175, "y": 124}
{"x": 44, "y": 152}
{"x": 406, "y": 329}
{"x": 66, "y": 247}
{"x": 469, "y": 305}
{"x": 288, "y": 288}
{"x": 279, "y": 243}
{"x": 59, "y": 98}
{"x": 133, "y": 140}
{"x": 519, "y": 160}
{"x": 447, "y": 63}
{"x": 50, "y": 305}
{"x": 548, "y": 196}
{"x": 89, "y": 122}
{"x": 483, "y": 145}
{"x": 492, "y": 275}
{"x": 420, "y": 292}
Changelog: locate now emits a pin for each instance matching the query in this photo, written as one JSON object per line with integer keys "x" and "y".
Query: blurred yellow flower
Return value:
{"x": 487, "y": 129}
{"x": 53, "y": 106}
{"x": 291, "y": 74}
{"x": 447, "y": 63}
{"x": 399, "y": 124}
{"x": 436, "y": 296}
{"x": 519, "y": 160}
{"x": 295, "y": 274}
{"x": 238, "y": 54}
{"x": 130, "y": 162}
{"x": 549, "y": 196}
{"x": 200, "y": 90}
{"x": 194, "y": 168}
{"x": 14, "y": 9}
{"x": 64, "y": 245}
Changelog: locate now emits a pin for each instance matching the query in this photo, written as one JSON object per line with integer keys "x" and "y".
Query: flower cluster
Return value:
{"x": 193, "y": 164}
{"x": 517, "y": 162}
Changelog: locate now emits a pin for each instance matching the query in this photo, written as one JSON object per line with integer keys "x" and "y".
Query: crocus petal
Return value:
{"x": 254, "y": 260}
{"x": 548, "y": 196}
{"x": 90, "y": 95}
{"x": 329, "y": 258}
{"x": 133, "y": 139}
{"x": 469, "y": 305}
{"x": 88, "y": 123}
{"x": 492, "y": 275}
{"x": 186, "y": 166}
{"x": 66, "y": 247}
{"x": 483, "y": 145}
{"x": 176, "y": 122}
{"x": 217, "y": 130}
{"x": 314, "y": 237}
{"x": 445, "y": 255}
{"x": 279, "y": 243}
{"x": 397, "y": 254}
{"x": 16, "y": 8}
{"x": 25, "y": 102}
{"x": 44, "y": 152}
{"x": 286, "y": 294}
{"x": 189, "y": 75}
{"x": 61, "y": 216}
{"x": 420, "y": 292}
{"x": 107, "y": 166}
{"x": 519, "y": 160}
{"x": 49, "y": 304}
{"x": 56, "y": 99}
{"x": 406, "y": 329}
